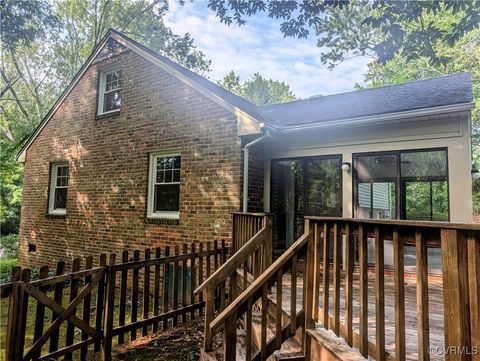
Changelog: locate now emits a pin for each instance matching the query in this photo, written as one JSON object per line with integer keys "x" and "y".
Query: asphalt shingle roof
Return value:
{"x": 435, "y": 92}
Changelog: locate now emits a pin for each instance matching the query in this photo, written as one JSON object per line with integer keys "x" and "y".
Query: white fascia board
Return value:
{"x": 381, "y": 118}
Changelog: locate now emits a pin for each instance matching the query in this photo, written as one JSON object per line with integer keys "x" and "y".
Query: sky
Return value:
{"x": 259, "y": 46}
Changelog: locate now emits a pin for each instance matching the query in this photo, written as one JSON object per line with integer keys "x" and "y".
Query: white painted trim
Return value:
{"x": 102, "y": 87}
{"x": 152, "y": 172}
{"x": 401, "y": 116}
{"x": 53, "y": 187}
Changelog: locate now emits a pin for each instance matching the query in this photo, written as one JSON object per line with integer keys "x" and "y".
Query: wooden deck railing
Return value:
{"x": 258, "y": 292}
{"x": 156, "y": 291}
{"x": 327, "y": 281}
{"x": 253, "y": 254}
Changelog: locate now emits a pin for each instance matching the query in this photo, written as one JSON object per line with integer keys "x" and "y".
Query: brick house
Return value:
{"x": 139, "y": 151}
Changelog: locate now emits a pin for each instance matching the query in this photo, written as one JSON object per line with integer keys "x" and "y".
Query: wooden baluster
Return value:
{"x": 263, "y": 336}
{"x": 363, "y": 280}
{"x": 175, "y": 286}
{"x": 337, "y": 259}
{"x": 268, "y": 242}
{"x": 455, "y": 291}
{"x": 293, "y": 296}
{"x": 258, "y": 263}
{"x": 318, "y": 248}
{"x": 184, "y": 282}
{"x": 326, "y": 275}
{"x": 123, "y": 297}
{"x": 200, "y": 276}
{"x": 146, "y": 292}
{"x": 99, "y": 302}
{"x": 379, "y": 294}
{"x": 422, "y": 297}
{"x": 399, "y": 279}
{"x": 209, "y": 316}
{"x": 216, "y": 252}
{"x": 193, "y": 276}
{"x": 109, "y": 309}
{"x": 86, "y": 307}
{"x": 245, "y": 275}
{"x": 279, "y": 311}
{"x": 156, "y": 288}
{"x": 58, "y": 299}
{"x": 23, "y": 306}
{"x": 166, "y": 286}
{"x": 349, "y": 285}
{"x": 248, "y": 327}
{"x": 136, "y": 257}
{"x": 230, "y": 338}
{"x": 473, "y": 246}
{"x": 73, "y": 294}
{"x": 40, "y": 312}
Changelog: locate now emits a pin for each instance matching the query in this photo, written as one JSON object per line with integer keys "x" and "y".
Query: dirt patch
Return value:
{"x": 182, "y": 343}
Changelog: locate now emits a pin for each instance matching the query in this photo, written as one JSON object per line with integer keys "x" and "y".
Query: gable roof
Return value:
{"x": 236, "y": 104}
{"x": 446, "y": 93}
{"x": 422, "y": 94}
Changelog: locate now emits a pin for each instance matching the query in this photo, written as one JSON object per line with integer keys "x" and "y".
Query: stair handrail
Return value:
{"x": 259, "y": 282}
{"x": 235, "y": 261}
{"x": 260, "y": 244}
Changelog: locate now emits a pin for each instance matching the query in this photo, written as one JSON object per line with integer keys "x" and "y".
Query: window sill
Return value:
{"x": 159, "y": 220}
{"x": 56, "y": 215}
{"x": 111, "y": 114}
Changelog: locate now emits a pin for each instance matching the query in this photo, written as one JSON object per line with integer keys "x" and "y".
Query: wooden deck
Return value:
{"x": 435, "y": 306}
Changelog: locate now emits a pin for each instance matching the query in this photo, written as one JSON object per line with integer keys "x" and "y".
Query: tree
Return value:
{"x": 43, "y": 46}
{"x": 405, "y": 26}
{"x": 258, "y": 90}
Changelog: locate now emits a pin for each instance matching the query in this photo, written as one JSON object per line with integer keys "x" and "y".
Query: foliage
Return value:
{"x": 9, "y": 246}
{"x": 6, "y": 265}
{"x": 40, "y": 57}
{"x": 405, "y": 25}
{"x": 258, "y": 90}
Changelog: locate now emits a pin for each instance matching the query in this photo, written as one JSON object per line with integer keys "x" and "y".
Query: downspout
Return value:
{"x": 246, "y": 154}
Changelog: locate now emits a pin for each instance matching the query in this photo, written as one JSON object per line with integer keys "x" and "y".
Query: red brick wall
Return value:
{"x": 108, "y": 158}
{"x": 255, "y": 179}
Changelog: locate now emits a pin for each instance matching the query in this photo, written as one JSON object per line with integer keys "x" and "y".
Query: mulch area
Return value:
{"x": 181, "y": 343}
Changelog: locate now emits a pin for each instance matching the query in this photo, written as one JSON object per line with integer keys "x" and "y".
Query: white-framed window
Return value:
{"x": 164, "y": 185}
{"x": 57, "y": 203}
{"x": 109, "y": 91}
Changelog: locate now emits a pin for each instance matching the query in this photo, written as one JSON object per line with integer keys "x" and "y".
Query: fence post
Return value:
{"x": 455, "y": 292}
{"x": 14, "y": 309}
{"x": 109, "y": 308}
{"x": 309, "y": 284}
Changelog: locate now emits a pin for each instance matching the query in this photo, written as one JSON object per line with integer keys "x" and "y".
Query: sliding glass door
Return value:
{"x": 303, "y": 186}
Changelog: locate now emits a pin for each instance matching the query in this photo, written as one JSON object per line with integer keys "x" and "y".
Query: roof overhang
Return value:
{"x": 381, "y": 118}
{"x": 247, "y": 124}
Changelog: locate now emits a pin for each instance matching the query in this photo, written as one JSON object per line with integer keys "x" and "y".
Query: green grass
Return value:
{"x": 6, "y": 265}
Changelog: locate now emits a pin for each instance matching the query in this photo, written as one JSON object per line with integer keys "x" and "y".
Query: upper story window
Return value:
{"x": 164, "y": 186}
{"x": 57, "y": 203}
{"x": 409, "y": 185}
{"x": 110, "y": 86}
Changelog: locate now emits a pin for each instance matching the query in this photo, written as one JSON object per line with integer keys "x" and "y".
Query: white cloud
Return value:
{"x": 259, "y": 46}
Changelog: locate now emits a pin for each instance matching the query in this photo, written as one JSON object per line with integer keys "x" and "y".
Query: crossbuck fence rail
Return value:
{"x": 109, "y": 303}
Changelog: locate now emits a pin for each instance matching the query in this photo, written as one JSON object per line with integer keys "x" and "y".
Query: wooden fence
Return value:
{"x": 109, "y": 303}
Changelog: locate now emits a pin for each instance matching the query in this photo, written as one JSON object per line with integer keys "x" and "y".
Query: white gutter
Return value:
{"x": 384, "y": 117}
{"x": 246, "y": 153}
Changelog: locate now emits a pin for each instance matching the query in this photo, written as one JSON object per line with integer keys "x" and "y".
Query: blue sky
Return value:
{"x": 259, "y": 46}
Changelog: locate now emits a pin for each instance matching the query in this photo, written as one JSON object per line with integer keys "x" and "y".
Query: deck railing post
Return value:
{"x": 309, "y": 282}
{"x": 455, "y": 293}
